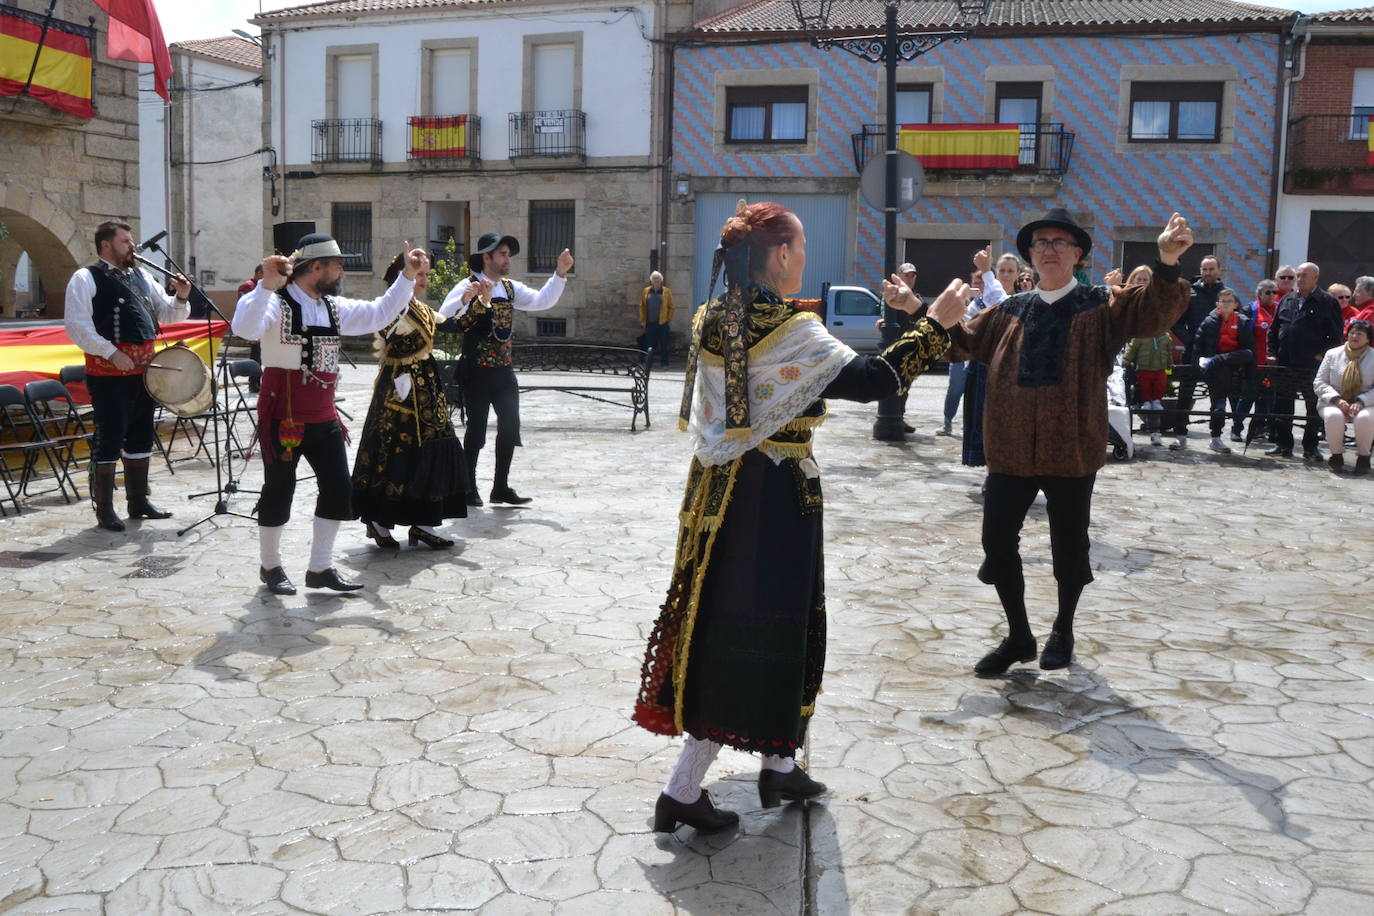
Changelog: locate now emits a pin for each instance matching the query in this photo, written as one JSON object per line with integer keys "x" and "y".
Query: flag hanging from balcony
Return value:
{"x": 62, "y": 73}
{"x": 1369, "y": 142}
{"x": 962, "y": 146}
{"x": 439, "y": 138}
{"x": 136, "y": 35}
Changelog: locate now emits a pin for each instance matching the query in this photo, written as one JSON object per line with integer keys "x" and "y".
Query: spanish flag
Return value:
{"x": 1369, "y": 142}
{"x": 62, "y": 77}
{"x": 962, "y": 146}
{"x": 439, "y": 138}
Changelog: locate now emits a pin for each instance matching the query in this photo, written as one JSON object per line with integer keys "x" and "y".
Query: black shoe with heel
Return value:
{"x": 432, "y": 541}
{"x": 794, "y": 785}
{"x": 1058, "y": 651}
{"x": 701, "y": 814}
{"x": 1007, "y": 653}
{"x": 384, "y": 541}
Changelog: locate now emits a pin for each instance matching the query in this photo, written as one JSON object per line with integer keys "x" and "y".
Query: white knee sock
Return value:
{"x": 774, "y": 762}
{"x": 269, "y": 545}
{"x": 684, "y": 784}
{"x": 322, "y": 544}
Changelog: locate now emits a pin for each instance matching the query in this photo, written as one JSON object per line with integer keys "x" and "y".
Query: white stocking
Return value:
{"x": 380, "y": 530}
{"x": 685, "y": 783}
{"x": 269, "y": 545}
{"x": 322, "y": 544}
{"x": 427, "y": 529}
{"x": 781, "y": 764}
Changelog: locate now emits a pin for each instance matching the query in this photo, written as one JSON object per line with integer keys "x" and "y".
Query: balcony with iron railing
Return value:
{"x": 548, "y": 137}
{"x": 445, "y": 143}
{"x": 347, "y": 141}
{"x": 1329, "y": 153}
{"x": 1045, "y": 151}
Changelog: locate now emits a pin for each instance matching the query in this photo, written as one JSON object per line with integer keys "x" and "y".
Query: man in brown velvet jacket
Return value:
{"x": 1049, "y": 352}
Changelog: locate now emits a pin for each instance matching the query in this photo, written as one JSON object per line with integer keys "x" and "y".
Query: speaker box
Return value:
{"x": 285, "y": 236}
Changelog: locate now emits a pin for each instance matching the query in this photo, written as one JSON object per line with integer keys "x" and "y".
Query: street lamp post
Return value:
{"x": 887, "y": 49}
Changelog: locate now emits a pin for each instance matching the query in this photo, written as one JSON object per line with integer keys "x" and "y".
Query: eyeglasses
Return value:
{"x": 1043, "y": 245}
{"x": 1287, "y": 277}
{"x": 1342, "y": 297}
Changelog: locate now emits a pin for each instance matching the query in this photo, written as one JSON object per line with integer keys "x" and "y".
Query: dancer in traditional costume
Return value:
{"x": 737, "y": 653}
{"x": 300, "y": 324}
{"x": 410, "y": 468}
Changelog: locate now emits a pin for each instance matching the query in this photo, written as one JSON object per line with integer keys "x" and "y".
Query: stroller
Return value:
{"x": 1119, "y": 420}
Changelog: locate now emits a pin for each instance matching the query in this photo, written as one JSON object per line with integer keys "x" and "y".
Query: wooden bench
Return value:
{"x": 620, "y": 371}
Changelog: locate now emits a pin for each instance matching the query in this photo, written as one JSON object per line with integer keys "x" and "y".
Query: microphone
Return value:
{"x": 152, "y": 242}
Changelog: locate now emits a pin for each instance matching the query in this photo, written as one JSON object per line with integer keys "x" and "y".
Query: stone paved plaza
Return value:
{"x": 457, "y": 736}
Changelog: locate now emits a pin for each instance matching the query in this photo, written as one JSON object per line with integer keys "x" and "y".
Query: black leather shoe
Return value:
{"x": 432, "y": 541}
{"x": 384, "y": 541}
{"x": 1004, "y": 656}
{"x": 1279, "y": 451}
{"x": 509, "y": 496}
{"x": 330, "y": 578}
{"x": 1311, "y": 454}
{"x": 1058, "y": 651}
{"x": 474, "y": 499}
{"x": 794, "y": 785}
{"x": 276, "y": 581}
{"x": 701, "y": 814}
{"x": 1361, "y": 465}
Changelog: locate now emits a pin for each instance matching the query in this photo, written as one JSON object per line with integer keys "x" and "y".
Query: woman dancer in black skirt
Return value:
{"x": 410, "y": 468}
{"x": 738, "y": 651}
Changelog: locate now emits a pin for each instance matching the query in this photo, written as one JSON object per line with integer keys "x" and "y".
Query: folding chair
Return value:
{"x": 17, "y": 438}
{"x": 59, "y": 429}
{"x": 243, "y": 400}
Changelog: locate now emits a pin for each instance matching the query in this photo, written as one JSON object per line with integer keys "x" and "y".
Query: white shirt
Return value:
{"x": 525, "y": 298}
{"x": 1051, "y": 296}
{"x": 81, "y": 325}
{"x": 260, "y": 309}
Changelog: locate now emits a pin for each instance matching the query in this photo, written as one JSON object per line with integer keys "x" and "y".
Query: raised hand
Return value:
{"x": 900, "y": 296}
{"x": 948, "y": 308}
{"x": 565, "y": 262}
{"x": 417, "y": 259}
{"x": 276, "y": 269}
{"x": 1176, "y": 238}
{"x": 983, "y": 259}
{"x": 1113, "y": 278}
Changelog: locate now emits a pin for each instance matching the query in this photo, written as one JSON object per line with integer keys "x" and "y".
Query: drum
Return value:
{"x": 179, "y": 380}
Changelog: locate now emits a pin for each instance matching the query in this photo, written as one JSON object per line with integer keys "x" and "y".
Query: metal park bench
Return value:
{"x": 1265, "y": 384}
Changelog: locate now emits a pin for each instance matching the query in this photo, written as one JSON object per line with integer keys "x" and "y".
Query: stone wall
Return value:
{"x": 64, "y": 175}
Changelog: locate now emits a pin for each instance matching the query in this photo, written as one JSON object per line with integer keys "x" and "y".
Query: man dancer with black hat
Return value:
{"x": 487, "y": 377}
{"x": 1049, "y": 352}
{"x": 112, "y": 312}
{"x": 299, "y": 324}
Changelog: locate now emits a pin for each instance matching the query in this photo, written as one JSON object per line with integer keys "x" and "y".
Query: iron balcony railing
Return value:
{"x": 548, "y": 133}
{"x": 445, "y": 141}
{"x": 1046, "y": 149}
{"x": 1321, "y": 142}
{"x": 347, "y": 140}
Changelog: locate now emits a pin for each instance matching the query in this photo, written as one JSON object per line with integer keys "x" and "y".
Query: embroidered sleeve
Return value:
{"x": 477, "y": 318}
{"x": 913, "y": 352}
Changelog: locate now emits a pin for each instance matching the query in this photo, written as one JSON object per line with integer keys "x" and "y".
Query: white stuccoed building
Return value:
{"x": 547, "y": 130}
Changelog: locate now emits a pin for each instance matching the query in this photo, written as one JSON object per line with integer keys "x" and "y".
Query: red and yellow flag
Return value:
{"x": 62, "y": 77}
{"x": 962, "y": 146}
{"x": 439, "y": 138}
{"x": 1369, "y": 142}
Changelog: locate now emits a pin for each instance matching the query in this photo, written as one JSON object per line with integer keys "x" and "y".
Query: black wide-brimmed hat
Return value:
{"x": 1057, "y": 218}
{"x": 491, "y": 241}
{"x": 317, "y": 245}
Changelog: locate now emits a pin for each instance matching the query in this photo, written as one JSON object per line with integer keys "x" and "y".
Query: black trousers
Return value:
{"x": 1068, "y": 503}
{"x": 322, "y": 446}
{"x": 491, "y": 388}
{"x": 123, "y": 412}
{"x": 1283, "y": 408}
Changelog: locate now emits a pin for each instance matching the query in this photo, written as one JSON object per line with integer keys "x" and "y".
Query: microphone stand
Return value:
{"x": 224, "y": 489}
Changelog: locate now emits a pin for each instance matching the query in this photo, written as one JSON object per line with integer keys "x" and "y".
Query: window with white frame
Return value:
{"x": 450, "y": 75}
{"x": 554, "y": 77}
{"x": 353, "y": 82}
{"x": 1361, "y": 102}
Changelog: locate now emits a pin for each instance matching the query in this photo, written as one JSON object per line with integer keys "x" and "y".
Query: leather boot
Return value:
{"x": 500, "y": 485}
{"x": 473, "y": 497}
{"x": 102, "y": 493}
{"x": 136, "y": 490}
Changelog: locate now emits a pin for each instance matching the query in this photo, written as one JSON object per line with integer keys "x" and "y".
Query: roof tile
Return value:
{"x": 231, "y": 49}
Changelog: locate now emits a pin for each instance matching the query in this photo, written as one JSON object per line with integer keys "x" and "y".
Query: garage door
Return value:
{"x": 827, "y": 220}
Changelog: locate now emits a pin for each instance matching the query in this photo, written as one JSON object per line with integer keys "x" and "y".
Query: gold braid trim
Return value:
{"x": 802, "y": 424}
{"x": 913, "y": 352}
{"x": 702, "y": 518}
{"x": 798, "y": 450}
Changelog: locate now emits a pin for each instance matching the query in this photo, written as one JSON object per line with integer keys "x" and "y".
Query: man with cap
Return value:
{"x": 299, "y": 322}
{"x": 485, "y": 372}
{"x": 1049, "y": 352}
{"x": 112, "y": 312}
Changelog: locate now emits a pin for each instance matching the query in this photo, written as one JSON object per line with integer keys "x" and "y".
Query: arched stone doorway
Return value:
{"x": 55, "y": 243}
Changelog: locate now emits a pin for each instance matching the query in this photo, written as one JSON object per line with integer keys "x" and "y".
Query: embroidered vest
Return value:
{"x": 296, "y": 345}
{"x": 122, "y": 308}
{"x": 492, "y": 350}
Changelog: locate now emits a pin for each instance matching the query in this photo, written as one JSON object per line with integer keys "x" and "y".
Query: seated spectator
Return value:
{"x": 1363, "y": 300}
{"x": 1152, "y": 357}
{"x": 1341, "y": 293}
{"x": 1226, "y": 350}
{"x": 1345, "y": 390}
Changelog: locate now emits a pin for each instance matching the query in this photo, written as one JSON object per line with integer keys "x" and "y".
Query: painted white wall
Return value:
{"x": 617, "y": 65}
{"x": 152, "y": 157}
{"x": 223, "y": 201}
{"x": 1295, "y": 219}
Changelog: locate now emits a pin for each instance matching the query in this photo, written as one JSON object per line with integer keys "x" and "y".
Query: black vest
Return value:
{"x": 123, "y": 311}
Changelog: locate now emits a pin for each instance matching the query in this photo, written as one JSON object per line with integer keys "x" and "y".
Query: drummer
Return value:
{"x": 298, "y": 315}
{"x": 113, "y": 312}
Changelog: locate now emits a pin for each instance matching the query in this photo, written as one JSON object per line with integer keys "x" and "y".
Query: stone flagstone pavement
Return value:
{"x": 456, "y": 736}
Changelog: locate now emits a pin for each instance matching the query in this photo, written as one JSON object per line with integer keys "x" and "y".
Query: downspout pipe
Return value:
{"x": 1295, "y": 60}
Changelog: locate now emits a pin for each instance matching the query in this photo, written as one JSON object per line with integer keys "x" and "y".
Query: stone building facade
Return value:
{"x": 63, "y": 174}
